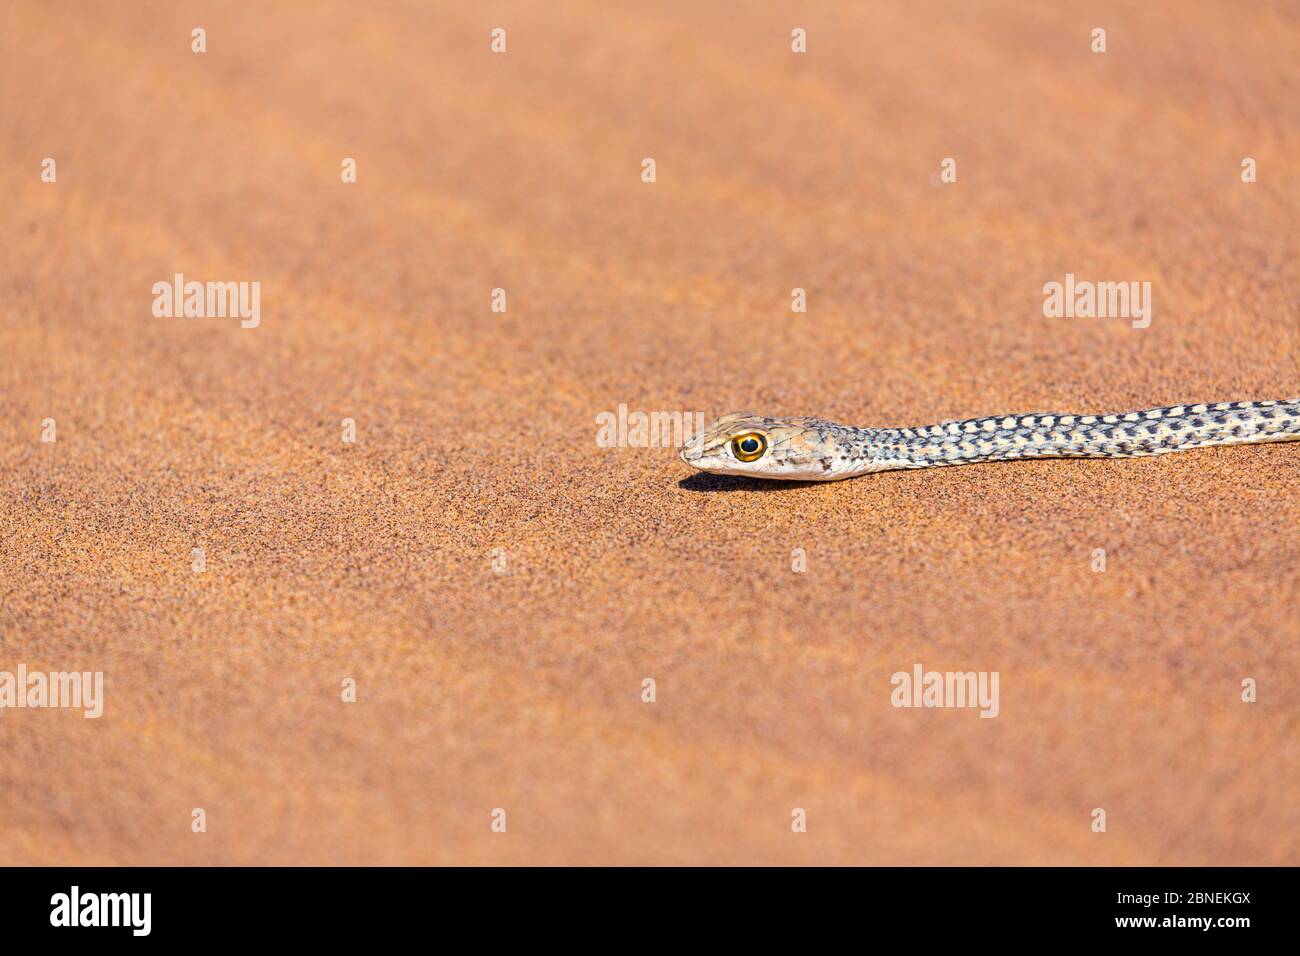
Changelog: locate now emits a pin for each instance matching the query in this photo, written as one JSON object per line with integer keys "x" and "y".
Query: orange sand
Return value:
{"x": 476, "y": 431}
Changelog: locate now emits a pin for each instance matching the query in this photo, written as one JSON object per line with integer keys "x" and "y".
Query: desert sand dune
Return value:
{"x": 499, "y": 585}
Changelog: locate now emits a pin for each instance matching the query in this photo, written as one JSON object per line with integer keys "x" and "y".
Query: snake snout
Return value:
{"x": 692, "y": 451}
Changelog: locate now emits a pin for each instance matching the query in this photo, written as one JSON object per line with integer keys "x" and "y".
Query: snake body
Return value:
{"x": 810, "y": 449}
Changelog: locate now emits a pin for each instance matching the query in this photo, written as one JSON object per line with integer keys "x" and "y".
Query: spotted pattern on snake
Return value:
{"x": 810, "y": 449}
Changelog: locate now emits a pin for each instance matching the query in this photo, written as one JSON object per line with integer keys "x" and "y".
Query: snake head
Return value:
{"x": 742, "y": 443}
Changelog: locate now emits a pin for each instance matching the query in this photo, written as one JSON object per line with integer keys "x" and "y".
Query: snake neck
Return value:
{"x": 1154, "y": 431}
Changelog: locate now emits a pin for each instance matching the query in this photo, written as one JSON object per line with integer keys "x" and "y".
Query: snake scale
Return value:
{"x": 809, "y": 449}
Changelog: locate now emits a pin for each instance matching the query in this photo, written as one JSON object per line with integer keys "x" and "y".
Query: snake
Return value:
{"x": 810, "y": 449}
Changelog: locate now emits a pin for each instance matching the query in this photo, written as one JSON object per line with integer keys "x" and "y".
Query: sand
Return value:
{"x": 497, "y": 584}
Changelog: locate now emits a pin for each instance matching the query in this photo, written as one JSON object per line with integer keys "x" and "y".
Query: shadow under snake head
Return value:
{"x": 742, "y": 443}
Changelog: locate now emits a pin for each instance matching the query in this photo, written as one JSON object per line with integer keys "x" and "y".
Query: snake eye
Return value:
{"x": 749, "y": 447}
